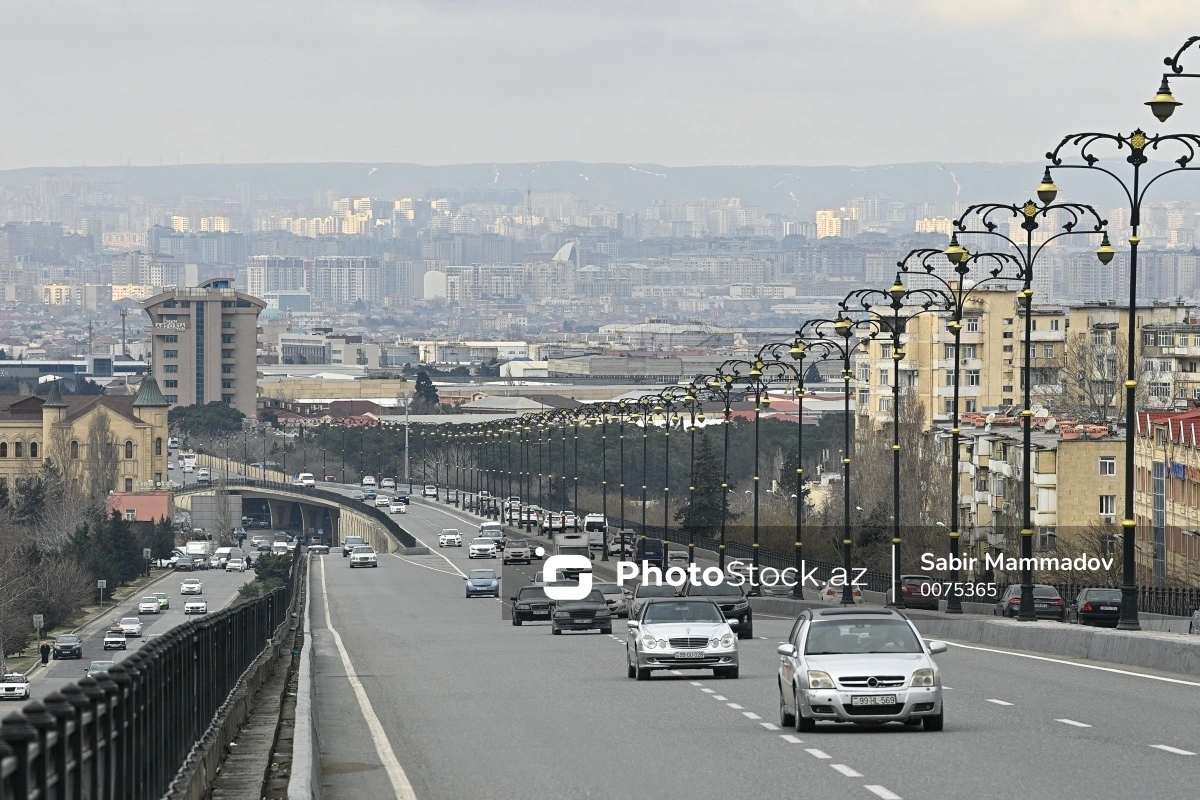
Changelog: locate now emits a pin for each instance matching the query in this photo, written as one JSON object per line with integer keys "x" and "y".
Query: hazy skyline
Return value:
{"x": 813, "y": 82}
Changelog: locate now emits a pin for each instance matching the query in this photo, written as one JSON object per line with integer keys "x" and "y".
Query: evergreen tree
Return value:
{"x": 425, "y": 393}
{"x": 162, "y": 539}
{"x": 30, "y": 505}
{"x": 702, "y": 511}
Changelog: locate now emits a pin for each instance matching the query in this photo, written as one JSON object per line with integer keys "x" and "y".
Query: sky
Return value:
{"x": 674, "y": 82}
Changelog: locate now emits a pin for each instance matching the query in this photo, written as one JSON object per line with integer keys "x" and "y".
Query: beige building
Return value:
{"x": 1167, "y": 496}
{"x": 131, "y": 429}
{"x": 205, "y": 344}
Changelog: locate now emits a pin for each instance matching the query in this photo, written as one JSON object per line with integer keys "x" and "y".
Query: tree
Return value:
{"x": 211, "y": 419}
{"x": 1092, "y": 377}
{"x": 702, "y": 512}
{"x": 100, "y": 466}
{"x": 425, "y": 395}
{"x": 162, "y": 539}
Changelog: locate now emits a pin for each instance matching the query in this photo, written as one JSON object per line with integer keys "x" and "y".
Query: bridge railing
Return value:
{"x": 126, "y": 732}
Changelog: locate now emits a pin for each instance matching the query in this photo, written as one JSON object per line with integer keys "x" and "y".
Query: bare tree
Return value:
{"x": 101, "y": 457}
{"x": 1093, "y": 372}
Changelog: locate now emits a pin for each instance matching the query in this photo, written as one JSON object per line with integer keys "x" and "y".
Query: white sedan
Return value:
{"x": 195, "y": 607}
{"x": 132, "y": 625}
{"x": 146, "y": 607}
{"x": 482, "y": 548}
{"x": 828, "y": 593}
{"x": 398, "y": 508}
{"x": 387, "y": 483}
{"x": 14, "y": 686}
{"x": 235, "y": 565}
{"x": 382, "y": 501}
{"x": 450, "y": 538}
{"x": 363, "y": 556}
{"x": 191, "y": 586}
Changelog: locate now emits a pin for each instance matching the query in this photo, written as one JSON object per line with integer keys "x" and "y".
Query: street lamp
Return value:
{"x": 1163, "y": 104}
{"x": 1135, "y": 188}
{"x": 1076, "y": 219}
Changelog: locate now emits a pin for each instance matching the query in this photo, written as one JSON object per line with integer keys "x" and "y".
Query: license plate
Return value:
{"x": 1109, "y": 608}
{"x": 690, "y": 654}
{"x": 541, "y": 613}
{"x": 1043, "y": 605}
{"x": 873, "y": 700}
{"x": 581, "y": 622}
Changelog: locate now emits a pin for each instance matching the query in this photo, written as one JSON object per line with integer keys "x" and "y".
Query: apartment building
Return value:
{"x": 268, "y": 274}
{"x": 1170, "y": 364}
{"x": 205, "y": 344}
{"x": 339, "y": 281}
{"x": 1167, "y": 495}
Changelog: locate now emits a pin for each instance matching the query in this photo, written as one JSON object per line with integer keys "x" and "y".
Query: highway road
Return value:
{"x": 220, "y": 588}
{"x": 423, "y": 693}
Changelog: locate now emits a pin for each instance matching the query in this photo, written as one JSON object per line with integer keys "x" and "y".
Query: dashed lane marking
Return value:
{"x": 719, "y": 697}
{"x": 383, "y": 748}
{"x": 815, "y": 753}
{"x": 847, "y": 771}
{"x": 1168, "y": 749}
{"x": 734, "y": 706}
{"x": 709, "y": 691}
{"x": 695, "y": 683}
{"x": 750, "y": 715}
{"x": 769, "y": 726}
{"x": 787, "y": 737}
{"x": 882, "y": 792}
{"x": 1073, "y": 722}
{"x": 998, "y": 702}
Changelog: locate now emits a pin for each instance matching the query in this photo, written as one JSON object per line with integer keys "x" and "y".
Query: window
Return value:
{"x": 74, "y": 449}
{"x": 864, "y": 396}
{"x": 970, "y": 351}
{"x": 1033, "y": 324}
{"x": 1108, "y": 465}
{"x": 226, "y": 354}
{"x": 129, "y": 484}
{"x": 1006, "y": 335}
{"x": 971, "y": 406}
{"x": 226, "y": 384}
{"x": 173, "y": 399}
{"x": 885, "y": 350}
{"x": 973, "y": 378}
{"x": 885, "y": 405}
{"x": 1006, "y": 388}
{"x": 227, "y": 369}
{"x": 1053, "y": 324}
{"x": 1160, "y": 390}
{"x": 33, "y": 450}
{"x": 226, "y": 340}
{"x": 981, "y": 484}
{"x": 1046, "y": 540}
{"x": 1100, "y": 338}
{"x": 864, "y": 373}
{"x": 1108, "y": 505}
{"x": 170, "y": 354}
{"x": 885, "y": 377}
{"x": 972, "y": 324}
{"x": 1008, "y": 320}
{"x": 1008, "y": 348}
{"x": 128, "y": 450}
{"x": 1047, "y": 351}
{"x": 949, "y": 352}
{"x": 226, "y": 323}
{"x": 227, "y": 399}
{"x": 171, "y": 339}
{"x": 1166, "y": 339}
{"x": 18, "y": 449}
{"x": 1006, "y": 401}
{"x": 3, "y": 449}
{"x": 171, "y": 384}
{"x": 158, "y": 446}
{"x": 948, "y": 406}
{"x": 131, "y": 515}
{"x": 171, "y": 369}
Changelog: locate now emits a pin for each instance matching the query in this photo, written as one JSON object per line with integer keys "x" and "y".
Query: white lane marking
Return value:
{"x": 1075, "y": 664}
{"x": 787, "y": 737}
{"x": 998, "y": 702}
{"x": 435, "y": 551}
{"x": 815, "y": 753}
{"x": 695, "y": 683}
{"x": 709, "y": 691}
{"x": 399, "y": 780}
{"x": 719, "y": 697}
{"x": 750, "y": 715}
{"x": 882, "y": 792}
{"x": 676, "y": 672}
{"x": 425, "y": 566}
{"x": 769, "y": 726}
{"x": 1175, "y": 750}
{"x": 734, "y": 706}
{"x": 1073, "y": 722}
{"x": 847, "y": 771}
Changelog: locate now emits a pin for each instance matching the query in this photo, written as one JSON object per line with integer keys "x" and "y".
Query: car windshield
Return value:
{"x": 450, "y": 532}
{"x": 363, "y": 550}
{"x": 99, "y": 665}
{"x": 483, "y": 574}
{"x": 160, "y": 594}
{"x": 608, "y": 588}
{"x": 1045, "y": 592}
{"x": 914, "y": 580}
{"x": 68, "y": 638}
{"x": 722, "y": 589}
{"x": 1103, "y": 595}
{"x": 531, "y": 593}
{"x": 652, "y": 590}
{"x": 14, "y": 677}
{"x": 482, "y": 541}
{"x": 861, "y": 636}
{"x": 130, "y": 620}
{"x": 192, "y": 581}
{"x": 682, "y": 611}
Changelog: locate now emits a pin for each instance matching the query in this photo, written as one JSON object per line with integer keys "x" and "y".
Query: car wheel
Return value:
{"x": 642, "y": 674}
{"x": 912, "y": 722}
{"x": 607, "y": 630}
{"x": 516, "y": 622}
{"x": 934, "y": 723}
{"x": 803, "y": 724}
{"x": 555, "y": 631}
{"x": 746, "y": 631}
{"x": 786, "y": 719}
{"x": 630, "y": 670}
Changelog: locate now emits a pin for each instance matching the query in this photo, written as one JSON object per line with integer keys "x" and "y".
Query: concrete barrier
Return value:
{"x": 304, "y": 782}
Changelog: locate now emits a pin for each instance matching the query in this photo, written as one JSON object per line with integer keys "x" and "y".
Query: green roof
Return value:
{"x": 54, "y": 399}
{"x": 149, "y": 394}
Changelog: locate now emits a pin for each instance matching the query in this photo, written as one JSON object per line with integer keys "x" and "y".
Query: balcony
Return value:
{"x": 1046, "y": 519}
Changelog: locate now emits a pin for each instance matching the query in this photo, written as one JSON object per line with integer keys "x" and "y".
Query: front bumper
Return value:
{"x": 837, "y": 704}
{"x": 13, "y": 694}
{"x": 493, "y": 591}
{"x": 532, "y": 614}
{"x": 513, "y": 556}
{"x": 114, "y": 645}
{"x": 362, "y": 562}
{"x": 481, "y": 553}
{"x": 668, "y": 659}
{"x": 73, "y": 653}
{"x": 574, "y": 624}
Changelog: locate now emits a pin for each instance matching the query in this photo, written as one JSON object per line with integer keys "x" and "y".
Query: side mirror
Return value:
{"x": 786, "y": 650}
{"x": 936, "y": 647}
{"x": 633, "y": 623}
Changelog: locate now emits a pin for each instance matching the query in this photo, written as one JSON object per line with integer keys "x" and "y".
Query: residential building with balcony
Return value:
{"x": 1167, "y": 496}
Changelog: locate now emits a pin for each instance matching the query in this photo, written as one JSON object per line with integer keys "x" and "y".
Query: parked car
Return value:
{"x": 68, "y": 645}
{"x": 368, "y": 480}
{"x": 387, "y": 483}
{"x": 834, "y": 594}
{"x": 430, "y": 491}
{"x": 14, "y": 686}
{"x": 1095, "y": 606}
{"x": 917, "y": 591}
{"x": 1047, "y": 603}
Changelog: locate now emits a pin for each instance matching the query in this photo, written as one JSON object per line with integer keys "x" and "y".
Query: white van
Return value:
{"x": 596, "y": 528}
{"x": 305, "y": 479}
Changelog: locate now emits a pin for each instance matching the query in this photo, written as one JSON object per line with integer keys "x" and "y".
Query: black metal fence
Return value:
{"x": 313, "y": 493}
{"x": 1170, "y": 601}
{"x": 125, "y": 733}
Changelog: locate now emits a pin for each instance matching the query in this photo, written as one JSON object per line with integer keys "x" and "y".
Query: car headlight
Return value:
{"x": 727, "y": 640}
{"x": 563, "y": 614}
{"x": 922, "y": 677}
{"x": 649, "y": 643}
{"x": 819, "y": 680}
{"x": 522, "y": 607}
{"x": 740, "y": 606}
{"x": 662, "y": 644}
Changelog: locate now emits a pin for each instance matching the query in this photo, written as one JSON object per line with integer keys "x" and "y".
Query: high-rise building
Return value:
{"x": 205, "y": 344}
{"x": 265, "y": 274}
{"x": 343, "y": 280}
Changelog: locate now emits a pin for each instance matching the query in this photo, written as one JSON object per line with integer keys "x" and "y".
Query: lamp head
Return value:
{"x": 1105, "y": 251}
{"x": 766, "y": 401}
{"x": 897, "y": 291}
{"x": 1163, "y": 104}
{"x": 700, "y": 417}
{"x": 898, "y": 354}
{"x": 843, "y": 327}
{"x": 796, "y": 351}
{"x": 1046, "y": 190}
{"x": 954, "y": 251}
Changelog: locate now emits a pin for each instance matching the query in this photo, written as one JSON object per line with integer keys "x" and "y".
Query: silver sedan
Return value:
{"x": 681, "y": 633}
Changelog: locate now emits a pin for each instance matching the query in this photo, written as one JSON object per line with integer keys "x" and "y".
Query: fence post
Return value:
{"x": 47, "y": 739}
{"x": 80, "y": 737}
{"x": 64, "y": 722}
{"x": 122, "y": 748}
{"x": 22, "y": 738}
{"x": 106, "y": 736}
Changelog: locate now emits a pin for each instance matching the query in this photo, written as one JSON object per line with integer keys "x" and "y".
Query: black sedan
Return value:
{"x": 588, "y": 613}
{"x": 530, "y": 604}
{"x": 1095, "y": 606}
{"x": 1047, "y": 604}
{"x": 68, "y": 645}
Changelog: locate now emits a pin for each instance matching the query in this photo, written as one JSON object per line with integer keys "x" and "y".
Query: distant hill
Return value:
{"x": 627, "y": 187}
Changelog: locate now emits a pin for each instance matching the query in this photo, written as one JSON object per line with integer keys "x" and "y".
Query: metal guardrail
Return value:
{"x": 313, "y": 492}
{"x": 1169, "y": 601}
{"x": 124, "y": 734}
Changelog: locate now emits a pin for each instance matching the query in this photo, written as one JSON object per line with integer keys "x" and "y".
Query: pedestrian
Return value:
{"x": 45, "y": 650}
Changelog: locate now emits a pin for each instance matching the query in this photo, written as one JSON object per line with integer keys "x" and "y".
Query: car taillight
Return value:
{"x": 1086, "y": 607}
{"x": 1014, "y": 601}
{"x": 1058, "y": 602}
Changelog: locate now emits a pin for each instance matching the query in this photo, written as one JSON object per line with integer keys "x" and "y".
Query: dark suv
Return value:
{"x": 733, "y": 602}
{"x": 68, "y": 645}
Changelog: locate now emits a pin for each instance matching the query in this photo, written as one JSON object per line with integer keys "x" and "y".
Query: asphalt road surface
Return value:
{"x": 423, "y": 693}
{"x": 220, "y": 588}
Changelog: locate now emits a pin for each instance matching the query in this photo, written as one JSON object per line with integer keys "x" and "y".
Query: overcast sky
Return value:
{"x": 677, "y": 82}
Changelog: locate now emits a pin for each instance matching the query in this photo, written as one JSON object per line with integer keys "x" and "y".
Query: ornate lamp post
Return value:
{"x": 721, "y": 388}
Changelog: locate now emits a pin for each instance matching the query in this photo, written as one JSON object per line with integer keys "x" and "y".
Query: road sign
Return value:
{"x": 320, "y": 531}
{"x": 146, "y": 553}
{"x": 101, "y": 584}
{"x": 39, "y": 622}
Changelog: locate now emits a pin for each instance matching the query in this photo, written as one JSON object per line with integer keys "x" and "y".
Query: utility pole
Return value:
{"x": 124, "y": 341}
